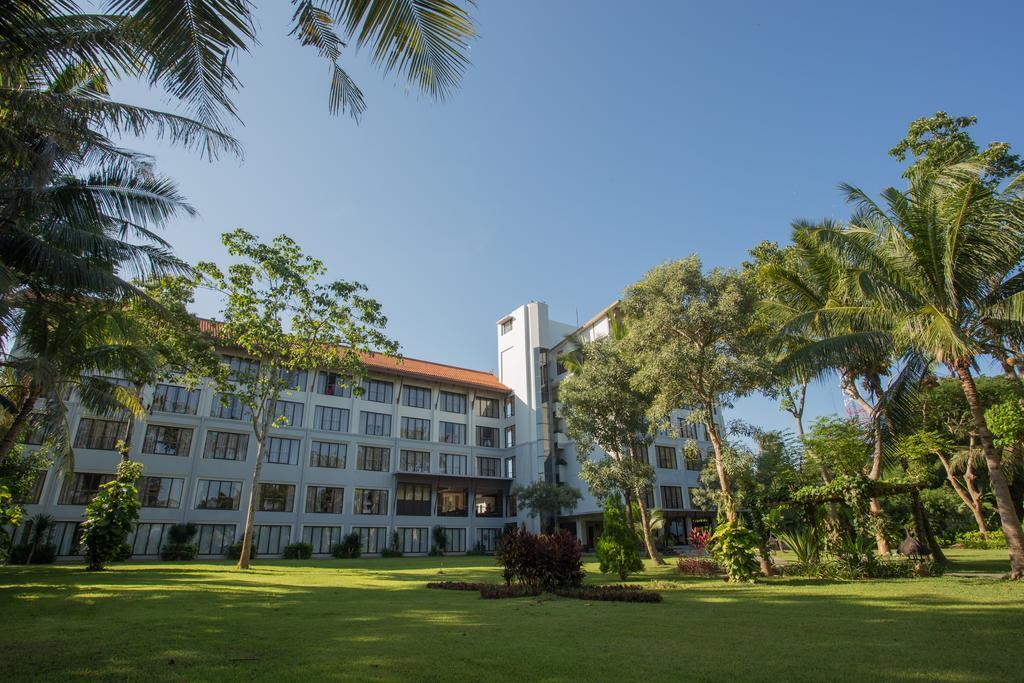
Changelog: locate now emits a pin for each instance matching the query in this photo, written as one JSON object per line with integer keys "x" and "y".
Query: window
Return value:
{"x": 327, "y": 454}
{"x": 666, "y": 457}
{"x": 452, "y": 502}
{"x": 371, "y": 502}
{"x": 413, "y": 539}
{"x": 452, "y": 432}
{"x": 270, "y": 539}
{"x": 330, "y": 419}
{"x": 377, "y": 390}
{"x": 146, "y": 537}
{"x": 168, "y": 398}
{"x": 277, "y": 497}
{"x": 375, "y": 424}
{"x": 229, "y": 407}
{"x": 487, "y": 407}
{"x": 453, "y": 403}
{"x": 295, "y": 380}
{"x": 510, "y": 406}
{"x": 214, "y": 539}
{"x": 101, "y": 435}
{"x": 487, "y": 437}
{"x": 239, "y": 368}
{"x": 414, "y": 461}
{"x": 450, "y": 463}
{"x": 283, "y": 451}
{"x": 373, "y": 538}
{"x": 649, "y": 498}
{"x": 513, "y": 506}
{"x": 506, "y": 326}
{"x": 487, "y": 539}
{"x": 374, "y": 459}
{"x": 695, "y": 460}
{"x": 488, "y": 467}
{"x": 510, "y": 468}
{"x": 455, "y": 540}
{"x": 692, "y": 430}
{"x": 212, "y": 494}
{"x": 322, "y": 538}
{"x": 32, "y": 497}
{"x": 560, "y": 368}
{"x": 672, "y": 497}
{"x": 487, "y": 504}
{"x": 67, "y": 538}
{"x": 163, "y": 440}
{"x": 160, "y": 492}
{"x": 291, "y": 411}
{"x": 332, "y": 384}
{"x": 226, "y": 446}
{"x": 417, "y": 397}
{"x": 413, "y": 499}
{"x": 326, "y": 499}
{"x": 80, "y": 489}
{"x": 510, "y": 436}
{"x": 415, "y": 428}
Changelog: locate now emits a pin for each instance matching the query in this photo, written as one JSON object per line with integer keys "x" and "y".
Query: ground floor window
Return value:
{"x": 66, "y": 537}
{"x": 322, "y": 538}
{"x": 455, "y": 541}
{"x": 148, "y": 537}
{"x": 270, "y": 539}
{"x": 214, "y": 539}
{"x": 414, "y": 539}
{"x": 487, "y": 539}
{"x": 373, "y": 538}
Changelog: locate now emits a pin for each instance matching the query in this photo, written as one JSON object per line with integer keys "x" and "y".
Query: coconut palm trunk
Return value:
{"x": 1000, "y": 489}
{"x": 17, "y": 425}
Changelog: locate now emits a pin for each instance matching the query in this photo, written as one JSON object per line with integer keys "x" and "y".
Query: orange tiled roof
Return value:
{"x": 408, "y": 367}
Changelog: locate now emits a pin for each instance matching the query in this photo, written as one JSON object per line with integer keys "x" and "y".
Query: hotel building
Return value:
{"x": 425, "y": 444}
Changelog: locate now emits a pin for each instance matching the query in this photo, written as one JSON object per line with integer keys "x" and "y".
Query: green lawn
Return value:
{"x": 373, "y": 620}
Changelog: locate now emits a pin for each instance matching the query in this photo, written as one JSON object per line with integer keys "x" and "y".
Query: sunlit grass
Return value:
{"x": 372, "y": 619}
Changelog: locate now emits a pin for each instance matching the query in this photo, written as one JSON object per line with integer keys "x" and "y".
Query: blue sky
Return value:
{"x": 587, "y": 144}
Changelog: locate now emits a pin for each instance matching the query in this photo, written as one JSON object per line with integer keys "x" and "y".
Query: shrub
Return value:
{"x": 546, "y": 561}
{"x": 455, "y": 585}
{"x": 390, "y": 552}
{"x": 699, "y": 540}
{"x": 610, "y": 594}
{"x": 297, "y": 551}
{"x": 492, "y": 591}
{"x": 805, "y": 545}
{"x": 179, "y": 543}
{"x": 234, "y": 551}
{"x": 697, "y": 566}
{"x": 351, "y": 547}
{"x": 617, "y": 545}
{"x": 975, "y": 541}
{"x": 24, "y": 553}
{"x": 735, "y": 548}
{"x": 477, "y": 549}
{"x": 109, "y": 516}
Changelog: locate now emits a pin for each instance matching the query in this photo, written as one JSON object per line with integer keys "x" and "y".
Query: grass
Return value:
{"x": 372, "y": 620}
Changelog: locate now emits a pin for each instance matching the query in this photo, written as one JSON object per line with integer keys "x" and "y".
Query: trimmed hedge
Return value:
{"x": 497, "y": 591}
{"x": 455, "y": 585}
{"x": 609, "y": 594}
{"x": 297, "y": 551}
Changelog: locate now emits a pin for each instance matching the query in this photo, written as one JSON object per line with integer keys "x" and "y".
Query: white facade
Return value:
{"x": 439, "y": 446}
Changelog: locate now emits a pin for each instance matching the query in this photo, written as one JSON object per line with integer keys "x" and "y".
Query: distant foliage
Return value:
{"x": 439, "y": 540}
{"x": 545, "y": 561}
{"x": 234, "y": 551}
{"x": 109, "y": 517}
{"x": 617, "y": 546}
{"x": 351, "y": 547}
{"x": 975, "y": 541}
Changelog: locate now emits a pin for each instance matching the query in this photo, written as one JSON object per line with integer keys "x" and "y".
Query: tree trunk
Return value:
{"x": 723, "y": 480}
{"x": 1004, "y": 503}
{"x": 250, "y": 515}
{"x": 17, "y": 426}
{"x": 652, "y": 552}
{"x": 968, "y": 498}
{"x": 630, "y": 522}
{"x": 924, "y": 529}
{"x": 876, "y": 470}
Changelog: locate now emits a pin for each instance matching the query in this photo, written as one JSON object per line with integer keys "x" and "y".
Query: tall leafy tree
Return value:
{"x": 691, "y": 333}
{"x": 603, "y": 409}
{"x": 278, "y": 310}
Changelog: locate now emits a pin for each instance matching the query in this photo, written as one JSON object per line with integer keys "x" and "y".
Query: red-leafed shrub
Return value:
{"x": 697, "y": 566}
{"x": 609, "y": 594}
{"x": 699, "y": 539}
{"x": 456, "y": 585}
{"x": 496, "y": 591}
{"x": 545, "y": 562}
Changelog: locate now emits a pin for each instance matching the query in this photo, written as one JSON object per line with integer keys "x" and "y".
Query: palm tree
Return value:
{"x": 939, "y": 266}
